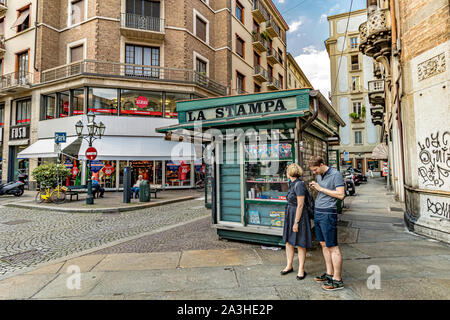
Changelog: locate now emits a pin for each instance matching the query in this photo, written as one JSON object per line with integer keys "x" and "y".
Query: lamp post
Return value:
{"x": 94, "y": 131}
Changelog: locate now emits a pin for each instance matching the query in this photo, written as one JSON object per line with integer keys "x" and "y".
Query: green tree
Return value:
{"x": 46, "y": 174}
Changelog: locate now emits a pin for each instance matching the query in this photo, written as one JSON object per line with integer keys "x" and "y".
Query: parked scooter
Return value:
{"x": 350, "y": 188}
{"x": 15, "y": 188}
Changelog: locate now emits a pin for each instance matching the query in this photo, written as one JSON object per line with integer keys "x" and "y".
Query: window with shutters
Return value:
{"x": 76, "y": 53}
{"x": 240, "y": 82}
{"x": 23, "y": 20}
{"x": 358, "y": 137}
{"x": 240, "y": 46}
{"x": 200, "y": 30}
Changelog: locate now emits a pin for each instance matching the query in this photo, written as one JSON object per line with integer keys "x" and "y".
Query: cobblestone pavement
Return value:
{"x": 196, "y": 235}
{"x": 31, "y": 237}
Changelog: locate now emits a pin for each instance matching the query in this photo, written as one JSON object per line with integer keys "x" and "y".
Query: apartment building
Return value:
{"x": 128, "y": 61}
{"x": 351, "y": 73}
{"x": 409, "y": 43}
{"x": 296, "y": 77}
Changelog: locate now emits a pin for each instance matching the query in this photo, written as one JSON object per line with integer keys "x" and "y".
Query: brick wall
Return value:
{"x": 424, "y": 25}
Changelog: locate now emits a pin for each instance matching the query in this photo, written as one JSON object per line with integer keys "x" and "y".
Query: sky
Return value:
{"x": 308, "y": 30}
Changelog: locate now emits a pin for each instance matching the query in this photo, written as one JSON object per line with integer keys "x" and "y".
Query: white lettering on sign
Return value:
{"x": 243, "y": 110}
{"x": 19, "y": 133}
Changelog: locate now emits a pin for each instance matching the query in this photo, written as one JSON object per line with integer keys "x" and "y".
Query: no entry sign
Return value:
{"x": 91, "y": 153}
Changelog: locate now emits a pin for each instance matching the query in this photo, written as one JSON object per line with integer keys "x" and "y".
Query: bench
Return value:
{"x": 155, "y": 188}
{"x": 75, "y": 191}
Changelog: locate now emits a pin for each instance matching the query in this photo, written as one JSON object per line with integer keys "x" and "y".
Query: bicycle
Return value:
{"x": 56, "y": 195}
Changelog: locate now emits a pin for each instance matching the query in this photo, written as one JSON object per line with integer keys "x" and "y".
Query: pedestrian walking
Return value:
{"x": 330, "y": 186}
{"x": 297, "y": 228}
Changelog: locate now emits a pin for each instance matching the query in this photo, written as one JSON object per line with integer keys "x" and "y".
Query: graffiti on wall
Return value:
{"x": 438, "y": 209}
{"x": 434, "y": 160}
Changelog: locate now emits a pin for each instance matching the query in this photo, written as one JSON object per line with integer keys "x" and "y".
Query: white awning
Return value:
{"x": 139, "y": 148}
{"x": 21, "y": 18}
{"x": 44, "y": 148}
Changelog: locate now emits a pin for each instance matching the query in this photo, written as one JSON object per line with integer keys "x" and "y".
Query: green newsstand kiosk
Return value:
{"x": 252, "y": 138}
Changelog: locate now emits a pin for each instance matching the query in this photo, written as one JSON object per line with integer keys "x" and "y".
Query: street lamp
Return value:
{"x": 94, "y": 131}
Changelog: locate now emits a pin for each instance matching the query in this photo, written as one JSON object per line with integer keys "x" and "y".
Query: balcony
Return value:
{"x": 376, "y": 92}
{"x": 142, "y": 27}
{"x": 377, "y": 113}
{"x": 259, "y": 12}
{"x": 260, "y": 74}
{"x": 16, "y": 82}
{"x": 274, "y": 84}
{"x": 105, "y": 69}
{"x": 2, "y": 46}
{"x": 376, "y": 34}
{"x": 3, "y": 7}
{"x": 259, "y": 42}
{"x": 273, "y": 57}
{"x": 273, "y": 29}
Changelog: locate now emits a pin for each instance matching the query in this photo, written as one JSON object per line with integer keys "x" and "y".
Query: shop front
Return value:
{"x": 253, "y": 138}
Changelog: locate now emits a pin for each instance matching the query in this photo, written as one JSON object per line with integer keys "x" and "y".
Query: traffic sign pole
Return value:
{"x": 91, "y": 154}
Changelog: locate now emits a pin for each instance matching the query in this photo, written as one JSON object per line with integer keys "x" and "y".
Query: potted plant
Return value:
{"x": 265, "y": 35}
{"x": 46, "y": 175}
{"x": 354, "y": 116}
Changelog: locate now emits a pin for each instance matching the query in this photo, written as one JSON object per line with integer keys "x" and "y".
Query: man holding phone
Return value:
{"x": 330, "y": 185}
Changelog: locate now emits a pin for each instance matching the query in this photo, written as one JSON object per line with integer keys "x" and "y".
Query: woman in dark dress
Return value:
{"x": 297, "y": 228}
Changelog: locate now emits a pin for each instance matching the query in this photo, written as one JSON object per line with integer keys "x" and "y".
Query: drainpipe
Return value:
{"x": 315, "y": 95}
{"x": 35, "y": 34}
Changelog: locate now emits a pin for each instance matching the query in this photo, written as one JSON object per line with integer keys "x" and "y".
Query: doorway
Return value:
{"x": 360, "y": 165}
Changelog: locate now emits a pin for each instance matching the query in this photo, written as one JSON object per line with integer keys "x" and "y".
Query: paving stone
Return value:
{"x": 139, "y": 261}
{"x": 66, "y": 285}
{"x": 405, "y": 289}
{"x": 131, "y": 282}
{"x": 85, "y": 263}
{"x": 401, "y": 248}
{"x": 24, "y": 286}
{"x": 216, "y": 258}
{"x": 260, "y": 293}
{"x": 50, "y": 269}
{"x": 313, "y": 291}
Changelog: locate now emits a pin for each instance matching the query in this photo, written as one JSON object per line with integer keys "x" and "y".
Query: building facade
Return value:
{"x": 409, "y": 41}
{"x": 351, "y": 73}
{"x": 128, "y": 61}
{"x": 296, "y": 77}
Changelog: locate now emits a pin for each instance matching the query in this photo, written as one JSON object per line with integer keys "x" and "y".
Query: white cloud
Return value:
{"x": 295, "y": 25}
{"x": 323, "y": 18}
{"x": 316, "y": 66}
{"x": 280, "y": 1}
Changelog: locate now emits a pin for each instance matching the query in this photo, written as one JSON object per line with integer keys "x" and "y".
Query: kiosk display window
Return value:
{"x": 266, "y": 183}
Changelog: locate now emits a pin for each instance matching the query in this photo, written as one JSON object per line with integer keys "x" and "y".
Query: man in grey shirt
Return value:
{"x": 330, "y": 185}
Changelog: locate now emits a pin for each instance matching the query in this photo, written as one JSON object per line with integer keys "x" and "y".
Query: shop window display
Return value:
{"x": 103, "y": 101}
{"x": 141, "y": 103}
{"x": 63, "y": 104}
{"x": 142, "y": 168}
{"x": 49, "y": 106}
{"x": 178, "y": 173}
{"x": 78, "y": 102}
{"x": 171, "y": 103}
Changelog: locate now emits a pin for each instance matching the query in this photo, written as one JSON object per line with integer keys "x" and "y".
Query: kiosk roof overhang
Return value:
{"x": 296, "y": 104}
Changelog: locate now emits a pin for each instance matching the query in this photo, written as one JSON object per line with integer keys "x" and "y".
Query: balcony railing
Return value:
{"x": 259, "y": 11}
{"x": 273, "y": 29}
{"x": 375, "y": 33}
{"x": 15, "y": 81}
{"x": 274, "y": 83}
{"x": 131, "y": 71}
{"x": 376, "y": 86}
{"x": 136, "y": 21}
{"x": 260, "y": 73}
{"x": 273, "y": 56}
{"x": 376, "y": 92}
{"x": 259, "y": 42}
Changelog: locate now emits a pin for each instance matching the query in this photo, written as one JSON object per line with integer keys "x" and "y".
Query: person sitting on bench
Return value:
{"x": 97, "y": 188}
{"x": 135, "y": 189}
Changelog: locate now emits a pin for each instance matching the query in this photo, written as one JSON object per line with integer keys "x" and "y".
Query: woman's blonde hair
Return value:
{"x": 294, "y": 170}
